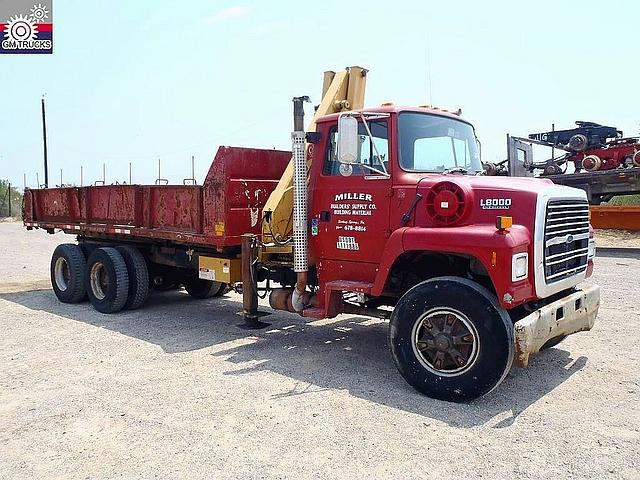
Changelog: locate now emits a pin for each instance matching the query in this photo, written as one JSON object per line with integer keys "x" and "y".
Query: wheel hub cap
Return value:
{"x": 61, "y": 273}
{"x": 99, "y": 280}
{"x": 442, "y": 343}
{"x": 445, "y": 341}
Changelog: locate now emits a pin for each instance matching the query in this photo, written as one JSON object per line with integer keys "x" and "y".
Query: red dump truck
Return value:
{"x": 391, "y": 219}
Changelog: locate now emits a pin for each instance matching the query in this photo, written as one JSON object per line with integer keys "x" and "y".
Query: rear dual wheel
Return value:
{"x": 107, "y": 280}
{"x": 68, "y": 265}
{"x": 138, "y": 276}
{"x": 117, "y": 278}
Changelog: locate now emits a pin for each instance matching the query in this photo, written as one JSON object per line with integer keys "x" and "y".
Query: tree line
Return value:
{"x": 10, "y": 200}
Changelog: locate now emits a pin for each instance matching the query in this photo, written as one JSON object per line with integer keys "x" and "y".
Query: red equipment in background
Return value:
{"x": 623, "y": 152}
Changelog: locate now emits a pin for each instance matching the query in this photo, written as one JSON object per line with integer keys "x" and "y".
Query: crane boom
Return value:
{"x": 341, "y": 91}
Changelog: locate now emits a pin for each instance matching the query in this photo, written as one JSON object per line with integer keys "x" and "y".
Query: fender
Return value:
{"x": 492, "y": 248}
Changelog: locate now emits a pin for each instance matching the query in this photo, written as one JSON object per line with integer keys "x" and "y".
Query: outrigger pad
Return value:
{"x": 252, "y": 322}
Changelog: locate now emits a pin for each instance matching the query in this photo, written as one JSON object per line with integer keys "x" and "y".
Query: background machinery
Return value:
{"x": 597, "y": 159}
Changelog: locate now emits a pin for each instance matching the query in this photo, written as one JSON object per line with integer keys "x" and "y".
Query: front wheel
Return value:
{"x": 451, "y": 340}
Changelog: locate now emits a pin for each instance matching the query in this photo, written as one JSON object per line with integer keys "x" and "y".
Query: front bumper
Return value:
{"x": 574, "y": 313}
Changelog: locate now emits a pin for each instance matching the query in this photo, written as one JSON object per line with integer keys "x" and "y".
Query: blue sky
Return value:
{"x": 137, "y": 81}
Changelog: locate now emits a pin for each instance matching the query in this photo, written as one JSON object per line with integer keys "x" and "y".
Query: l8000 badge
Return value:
{"x": 495, "y": 203}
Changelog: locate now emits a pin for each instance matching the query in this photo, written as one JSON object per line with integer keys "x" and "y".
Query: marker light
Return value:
{"x": 502, "y": 223}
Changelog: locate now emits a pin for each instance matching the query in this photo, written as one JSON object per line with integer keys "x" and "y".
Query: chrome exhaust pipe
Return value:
{"x": 300, "y": 297}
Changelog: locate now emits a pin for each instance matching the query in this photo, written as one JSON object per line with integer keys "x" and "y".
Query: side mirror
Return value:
{"x": 348, "y": 140}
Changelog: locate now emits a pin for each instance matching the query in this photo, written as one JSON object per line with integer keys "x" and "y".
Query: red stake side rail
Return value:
{"x": 228, "y": 204}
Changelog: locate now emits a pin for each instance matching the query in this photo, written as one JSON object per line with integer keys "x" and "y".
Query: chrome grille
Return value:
{"x": 566, "y": 239}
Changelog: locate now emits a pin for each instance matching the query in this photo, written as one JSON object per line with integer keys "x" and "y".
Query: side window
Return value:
{"x": 368, "y": 150}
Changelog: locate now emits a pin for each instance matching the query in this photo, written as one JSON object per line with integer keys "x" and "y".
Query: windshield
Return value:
{"x": 432, "y": 143}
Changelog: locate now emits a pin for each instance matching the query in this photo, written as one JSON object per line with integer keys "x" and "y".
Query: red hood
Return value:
{"x": 484, "y": 199}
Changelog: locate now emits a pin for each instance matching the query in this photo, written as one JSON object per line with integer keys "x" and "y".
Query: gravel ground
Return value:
{"x": 177, "y": 390}
{"x": 618, "y": 238}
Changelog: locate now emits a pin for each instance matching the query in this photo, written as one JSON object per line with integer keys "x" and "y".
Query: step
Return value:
{"x": 350, "y": 286}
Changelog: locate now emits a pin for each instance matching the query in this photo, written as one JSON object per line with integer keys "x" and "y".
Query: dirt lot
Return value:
{"x": 177, "y": 390}
{"x": 618, "y": 238}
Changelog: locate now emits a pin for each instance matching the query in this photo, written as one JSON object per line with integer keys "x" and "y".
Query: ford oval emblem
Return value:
{"x": 569, "y": 238}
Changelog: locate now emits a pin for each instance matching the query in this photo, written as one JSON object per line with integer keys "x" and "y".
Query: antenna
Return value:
{"x": 81, "y": 175}
{"x": 61, "y": 185}
{"x": 130, "y": 173}
{"x": 38, "y": 180}
{"x": 44, "y": 143}
{"x": 429, "y": 84}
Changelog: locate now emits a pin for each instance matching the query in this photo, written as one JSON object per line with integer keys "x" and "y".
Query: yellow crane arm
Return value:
{"x": 340, "y": 92}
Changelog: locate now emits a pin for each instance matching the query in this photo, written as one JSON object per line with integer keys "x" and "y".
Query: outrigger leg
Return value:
{"x": 249, "y": 284}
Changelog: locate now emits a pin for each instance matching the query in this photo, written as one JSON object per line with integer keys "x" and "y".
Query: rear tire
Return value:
{"x": 200, "y": 289}
{"x": 107, "y": 280}
{"x": 451, "y": 340}
{"x": 68, "y": 266}
{"x": 138, "y": 276}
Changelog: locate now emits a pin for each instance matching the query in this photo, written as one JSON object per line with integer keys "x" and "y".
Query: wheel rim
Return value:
{"x": 99, "y": 280}
{"x": 445, "y": 342}
{"x": 61, "y": 274}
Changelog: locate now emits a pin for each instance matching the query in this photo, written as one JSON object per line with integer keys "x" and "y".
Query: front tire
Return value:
{"x": 451, "y": 340}
{"x": 107, "y": 280}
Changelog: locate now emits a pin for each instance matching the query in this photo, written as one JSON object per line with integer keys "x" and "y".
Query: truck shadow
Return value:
{"x": 349, "y": 353}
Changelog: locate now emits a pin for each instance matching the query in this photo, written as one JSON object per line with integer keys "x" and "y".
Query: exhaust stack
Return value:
{"x": 300, "y": 297}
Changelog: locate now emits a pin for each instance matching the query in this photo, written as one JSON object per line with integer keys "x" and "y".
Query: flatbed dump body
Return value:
{"x": 217, "y": 213}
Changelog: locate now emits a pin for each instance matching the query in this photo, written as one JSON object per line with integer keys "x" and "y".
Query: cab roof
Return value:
{"x": 395, "y": 109}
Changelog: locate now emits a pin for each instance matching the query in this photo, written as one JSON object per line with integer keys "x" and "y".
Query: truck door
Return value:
{"x": 350, "y": 210}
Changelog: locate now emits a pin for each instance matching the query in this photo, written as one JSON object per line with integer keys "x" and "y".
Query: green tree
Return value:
{"x": 10, "y": 196}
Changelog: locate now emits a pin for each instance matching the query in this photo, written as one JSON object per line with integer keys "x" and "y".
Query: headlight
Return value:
{"x": 592, "y": 248}
{"x": 519, "y": 266}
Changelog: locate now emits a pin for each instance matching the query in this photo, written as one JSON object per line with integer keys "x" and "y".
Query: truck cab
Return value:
{"x": 400, "y": 212}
